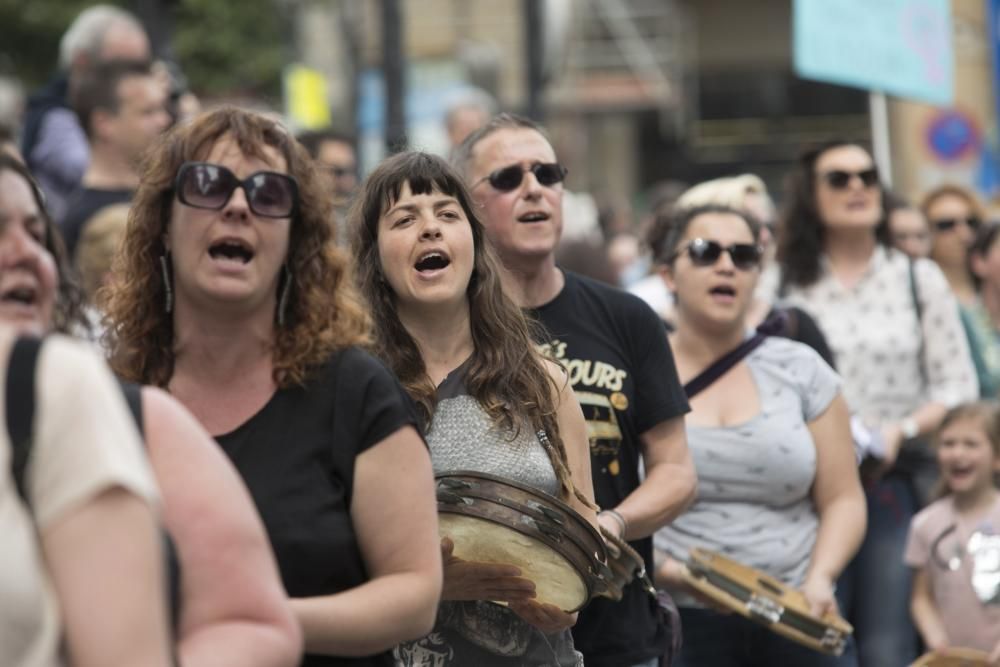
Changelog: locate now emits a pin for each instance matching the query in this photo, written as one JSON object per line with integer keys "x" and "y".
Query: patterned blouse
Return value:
{"x": 889, "y": 364}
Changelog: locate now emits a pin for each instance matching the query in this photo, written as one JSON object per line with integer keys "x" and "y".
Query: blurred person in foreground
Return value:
{"x": 220, "y": 612}
{"x": 53, "y": 142}
{"x": 894, "y": 328}
{"x": 231, "y": 294}
{"x": 82, "y": 577}
{"x": 619, "y": 363}
{"x": 82, "y": 569}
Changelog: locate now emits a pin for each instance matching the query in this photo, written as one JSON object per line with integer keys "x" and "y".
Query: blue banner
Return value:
{"x": 899, "y": 47}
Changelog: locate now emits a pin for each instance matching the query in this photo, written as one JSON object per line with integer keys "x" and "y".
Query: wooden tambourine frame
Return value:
{"x": 765, "y": 600}
{"x": 624, "y": 568}
{"x": 503, "y": 509}
{"x": 952, "y": 657}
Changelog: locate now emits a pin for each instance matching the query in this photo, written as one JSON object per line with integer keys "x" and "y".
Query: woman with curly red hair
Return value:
{"x": 230, "y": 293}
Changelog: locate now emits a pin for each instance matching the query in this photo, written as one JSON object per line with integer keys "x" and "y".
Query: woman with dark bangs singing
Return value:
{"x": 493, "y": 405}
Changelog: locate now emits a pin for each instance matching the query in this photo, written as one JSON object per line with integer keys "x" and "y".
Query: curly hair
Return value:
{"x": 506, "y": 374}
{"x": 323, "y": 312}
{"x": 69, "y": 316}
{"x": 800, "y": 227}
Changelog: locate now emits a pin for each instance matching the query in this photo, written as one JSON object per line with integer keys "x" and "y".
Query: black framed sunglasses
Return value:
{"x": 745, "y": 256}
{"x": 547, "y": 174}
{"x": 205, "y": 185}
{"x": 838, "y": 179}
{"x": 947, "y": 224}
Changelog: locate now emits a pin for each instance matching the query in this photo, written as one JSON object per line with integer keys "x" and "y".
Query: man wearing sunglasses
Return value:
{"x": 615, "y": 352}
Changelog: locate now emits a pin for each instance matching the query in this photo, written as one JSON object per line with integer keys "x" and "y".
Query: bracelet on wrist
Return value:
{"x": 619, "y": 518}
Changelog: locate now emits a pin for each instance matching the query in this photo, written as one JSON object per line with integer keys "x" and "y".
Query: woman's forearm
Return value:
{"x": 371, "y": 618}
{"x": 839, "y": 535}
{"x": 246, "y": 643}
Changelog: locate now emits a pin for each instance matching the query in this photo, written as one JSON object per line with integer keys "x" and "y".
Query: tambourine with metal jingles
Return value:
{"x": 495, "y": 520}
{"x": 953, "y": 657}
{"x": 625, "y": 567}
{"x": 763, "y": 599}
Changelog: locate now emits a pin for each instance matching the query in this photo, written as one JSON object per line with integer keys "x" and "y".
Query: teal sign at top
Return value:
{"x": 899, "y": 47}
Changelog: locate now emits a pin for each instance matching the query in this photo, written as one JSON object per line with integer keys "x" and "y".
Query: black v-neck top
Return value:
{"x": 297, "y": 455}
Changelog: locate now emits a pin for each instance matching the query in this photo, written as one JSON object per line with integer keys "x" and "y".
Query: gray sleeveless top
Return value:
{"x": 463, "y": 437}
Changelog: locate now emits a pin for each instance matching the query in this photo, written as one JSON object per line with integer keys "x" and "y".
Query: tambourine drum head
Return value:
{"x": 556, "y": 581}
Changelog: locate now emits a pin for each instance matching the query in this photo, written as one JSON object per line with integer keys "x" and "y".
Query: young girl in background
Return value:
{"x": 954, "y": 544}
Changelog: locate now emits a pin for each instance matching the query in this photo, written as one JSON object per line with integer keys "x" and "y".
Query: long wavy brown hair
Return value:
{"x": 68, "y": 316}
{"x": 323, "y": 311}
{"x": 506, "y": 374}
{"x": 801, "y": 233}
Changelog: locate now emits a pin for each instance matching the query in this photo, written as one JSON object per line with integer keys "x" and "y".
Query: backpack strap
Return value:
{"x": 133, "y": 399}
{"x": 20, "y": 406}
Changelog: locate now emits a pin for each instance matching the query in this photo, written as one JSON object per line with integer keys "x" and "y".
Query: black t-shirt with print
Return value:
{"x": 297, "y": 458}
{"x": 615, "y": 350}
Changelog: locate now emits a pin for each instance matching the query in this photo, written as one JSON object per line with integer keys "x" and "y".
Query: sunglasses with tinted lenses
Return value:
{"x": 508, "y": 178}
{"x": 745, "y": 256}
{"x": 839, "y": 179}
{"x": 205, "y": 185}
{"x": 947, "y": 224}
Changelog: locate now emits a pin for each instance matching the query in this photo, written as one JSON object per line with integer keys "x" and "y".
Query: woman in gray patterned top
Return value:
{"x": 778, "y": 488}
{"x": 463, "y": 351}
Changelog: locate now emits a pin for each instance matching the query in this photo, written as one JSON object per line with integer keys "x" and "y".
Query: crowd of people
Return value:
{"x": 233, "y": 369}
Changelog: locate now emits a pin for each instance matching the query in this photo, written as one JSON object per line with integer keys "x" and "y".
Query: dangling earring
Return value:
{"x": 169, "y": 305}
{"x": 283, "y": 301}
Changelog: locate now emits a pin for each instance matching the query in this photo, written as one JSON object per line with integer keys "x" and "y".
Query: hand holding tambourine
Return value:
{"x": 765, "y": 600}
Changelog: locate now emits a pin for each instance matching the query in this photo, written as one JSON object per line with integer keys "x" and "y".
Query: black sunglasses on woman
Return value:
{"x": 209, "y": 186}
